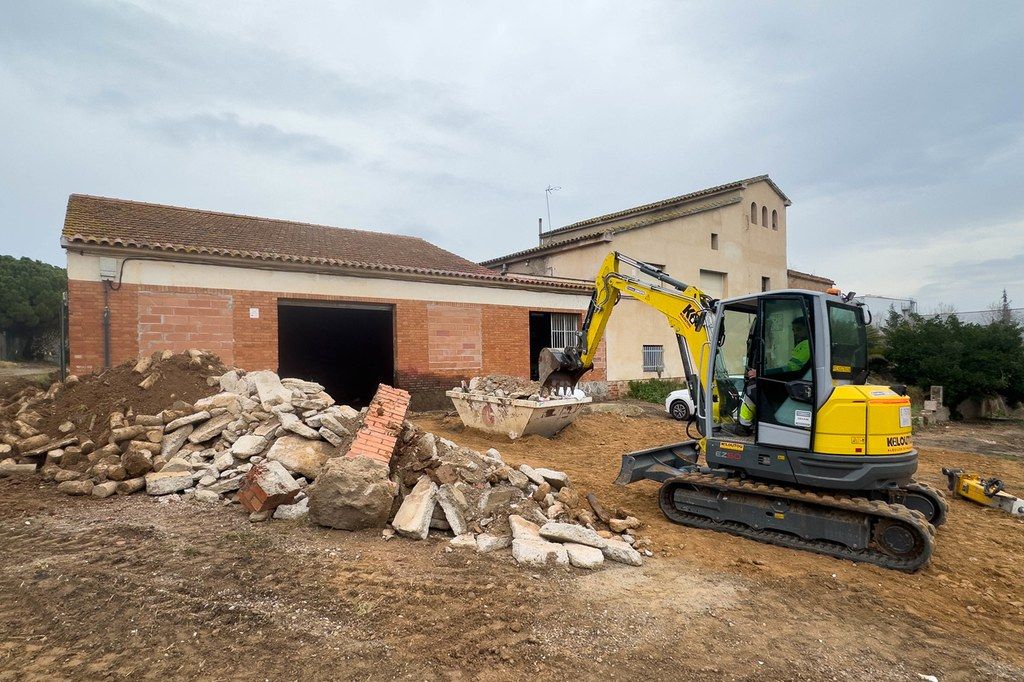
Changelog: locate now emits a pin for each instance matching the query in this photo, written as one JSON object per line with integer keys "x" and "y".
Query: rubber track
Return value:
{"x": 917, "y": 486}
{"x": 872, "y": 508}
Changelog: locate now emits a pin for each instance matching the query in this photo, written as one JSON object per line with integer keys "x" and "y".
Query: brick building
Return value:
{"x": 348, "y": 308}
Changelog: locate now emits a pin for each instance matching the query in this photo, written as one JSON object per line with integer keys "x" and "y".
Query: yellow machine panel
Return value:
{"x": 853, "y": 412}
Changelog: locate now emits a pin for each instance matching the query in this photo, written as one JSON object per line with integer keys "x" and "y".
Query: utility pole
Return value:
{"x": 547, "y": 200}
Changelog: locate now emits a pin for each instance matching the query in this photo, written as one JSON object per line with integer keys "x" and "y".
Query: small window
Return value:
{"x": 714, "y": 241}
{"x": 764, "y": 216}
{"x": 766, "y": 284}
{"x": 654, "y": 359}
{"x": 753, "y": 212}
{"x": 775, "y": 219}
{"x": 563, "y": 329}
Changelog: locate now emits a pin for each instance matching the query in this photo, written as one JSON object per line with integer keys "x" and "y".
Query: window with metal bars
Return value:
{"x": 563, "y": 329}
{"x": 654, "y": 358}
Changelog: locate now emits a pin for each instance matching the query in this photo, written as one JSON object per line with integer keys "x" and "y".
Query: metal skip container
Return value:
{"x": 516, "y": 417}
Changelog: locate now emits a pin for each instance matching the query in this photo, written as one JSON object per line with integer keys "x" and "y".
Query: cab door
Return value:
{"x": 785, "y": 372}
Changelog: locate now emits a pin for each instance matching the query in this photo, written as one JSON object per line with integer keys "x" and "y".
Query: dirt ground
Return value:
{"x": 134, "y": 588}
{"x": 14, "y": 376}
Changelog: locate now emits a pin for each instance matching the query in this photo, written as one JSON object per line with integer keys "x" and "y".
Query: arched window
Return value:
{"x": 775, "y": 220}
{"x": 753, "y": 212}
{"x": 764, "y": 216}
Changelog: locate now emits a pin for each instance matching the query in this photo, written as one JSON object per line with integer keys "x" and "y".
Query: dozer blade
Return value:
{"x": 658, "y": 464}
{"x": 558, "y": 369}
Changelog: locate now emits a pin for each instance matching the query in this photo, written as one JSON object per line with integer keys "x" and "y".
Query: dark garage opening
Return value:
{"x": 347, "y": 348}
{"x": 540, "y": 337}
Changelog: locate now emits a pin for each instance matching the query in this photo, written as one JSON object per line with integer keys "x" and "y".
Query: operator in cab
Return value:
{"x": 799, "y": 359}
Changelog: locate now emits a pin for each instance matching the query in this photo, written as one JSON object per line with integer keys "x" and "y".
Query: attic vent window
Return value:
{"x": 753, "y": 212}
{"x": 764, "y": 216}
{"x": 775, "y": 220}
{"x": 714, "y": 241}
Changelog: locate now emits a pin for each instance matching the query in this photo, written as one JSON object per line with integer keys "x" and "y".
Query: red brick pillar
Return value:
{"x": 382, "y": 425}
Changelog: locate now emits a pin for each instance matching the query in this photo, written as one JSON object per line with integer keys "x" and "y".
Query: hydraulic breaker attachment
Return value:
{"x": 658, "y": 464}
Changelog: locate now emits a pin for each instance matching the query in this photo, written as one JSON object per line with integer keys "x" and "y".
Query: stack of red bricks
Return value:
{"x": 382, "y": 425}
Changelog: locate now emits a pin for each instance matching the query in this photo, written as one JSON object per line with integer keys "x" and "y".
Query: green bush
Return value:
{"x": 968, "y": 360}
{"x": 653, "y": 390}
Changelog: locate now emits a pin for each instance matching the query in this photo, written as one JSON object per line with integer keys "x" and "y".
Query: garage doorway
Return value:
{"x": 550, "y": 330}
{"x": 349, "y": 348}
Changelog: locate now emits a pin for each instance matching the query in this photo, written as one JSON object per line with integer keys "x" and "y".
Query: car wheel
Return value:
{"x": 679, "y": 410}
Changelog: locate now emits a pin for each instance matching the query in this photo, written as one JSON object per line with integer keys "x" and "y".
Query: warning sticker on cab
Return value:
{"x": 726, "y": 445}
{"x": 802, "y": 418}
{"x": 905, "y": 417}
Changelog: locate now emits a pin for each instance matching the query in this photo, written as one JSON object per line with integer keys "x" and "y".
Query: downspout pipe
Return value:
{"x": 106, "y": 325}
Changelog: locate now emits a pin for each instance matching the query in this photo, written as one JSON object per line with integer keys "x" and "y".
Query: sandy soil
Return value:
{"x": 133, "y": 588}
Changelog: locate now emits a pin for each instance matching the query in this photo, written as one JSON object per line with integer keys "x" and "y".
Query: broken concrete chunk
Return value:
{"x": 622, "y": 525}
{"x": 105, "y": 489}
{"x": 331, "y": 423}
{"x": 486, "y": 542}
{"x": 531, "y": 473}
{"x": 223, "y": 460}
{"x": 290, "y": 512}
{"x": 617, "y": 550}
{"x": 568, "y": 532}
{"x": 466, "y": 541}
{"x": 453, "y": 503}
{"x": 266, "y": 486}
{"x": 301, "y": 456}
{"x": 413, "y": 517}
{"x": 331, "y": 437}
{"x": 584, "y": 556}
{"x": 248, "y": 445}
{"x": 76, "y": 487}
{"x": 207, "y": 497}
{"x": 269, "y": 389}
{"x": 539, "y": 553}
{"x": 167, "y": 482}
{"x": 557, "y": 479}
{"x": 523, "y": 529}
{"x": 352, "y": 493}
{"x": 131, "y": 485}
{"x": 173, "y": 440}
{"x": 126, "y": 433}
{"x": 290, "y": 422}
{"x": 186, "y": 420}
{"x": 177, "y": 464}
{"x": 9, "y": 467}
{"x": 211, "y": 428}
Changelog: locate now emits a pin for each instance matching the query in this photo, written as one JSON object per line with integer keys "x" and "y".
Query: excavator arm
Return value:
{"x": 687, "y": 309}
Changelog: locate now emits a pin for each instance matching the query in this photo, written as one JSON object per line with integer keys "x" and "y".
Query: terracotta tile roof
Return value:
{"x": 108, "y": 222}
{"x": 806, "y": 275}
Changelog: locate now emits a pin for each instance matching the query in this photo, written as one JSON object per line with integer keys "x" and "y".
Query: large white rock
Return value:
{"x": 186, "y": 420}
{"x": 617, "y": 550}
{"x": 292, "y": 423}
{"x": 248, "y": 445}
{"x": 485, "y": 542}
{"x": 539, "y": 553}
{"x": 223, "y": 461}
{"x": 569, "y": 532}
{"x": 453, "y": 504}
{"x": 290, "y": 512}
{"x": 584, "y": 556}
{"x": 211, "y": 429}
{"x": 557, "y": 479}
{"x": 269, "y": 389}
{"x": 413, "y": 517}
{"x": 173, "y": 440}
{"x": 531, "y": 473}
{"x": 167, "y": 482}
{"x": 352, "y": 493}
{"x": 523, "y": 529}
{"x": 301, "y": 456}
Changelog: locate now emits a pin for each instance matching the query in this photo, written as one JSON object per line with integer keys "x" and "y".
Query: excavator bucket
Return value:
{"x": 559, "y": 370}
{"x": 658, "y": 464}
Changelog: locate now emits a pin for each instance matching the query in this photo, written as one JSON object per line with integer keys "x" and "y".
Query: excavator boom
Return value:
{"x": 687, "y": 308}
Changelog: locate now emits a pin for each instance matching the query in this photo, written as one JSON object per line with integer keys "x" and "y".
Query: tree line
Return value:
{"x": 30, "y": 301}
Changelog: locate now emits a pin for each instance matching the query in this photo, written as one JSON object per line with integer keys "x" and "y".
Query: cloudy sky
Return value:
{"x": 896, "y": 128}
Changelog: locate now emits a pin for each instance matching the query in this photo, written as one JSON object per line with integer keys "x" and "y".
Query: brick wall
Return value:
{"x": 181, "y": 320}
{"x": 436, "y": 344}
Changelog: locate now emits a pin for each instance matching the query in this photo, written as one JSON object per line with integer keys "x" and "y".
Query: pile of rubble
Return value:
{"x": 514, "y": 388}
{"x": 281, "y": 448}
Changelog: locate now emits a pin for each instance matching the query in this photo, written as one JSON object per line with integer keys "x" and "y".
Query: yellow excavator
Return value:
{"x": 827, "y": 464}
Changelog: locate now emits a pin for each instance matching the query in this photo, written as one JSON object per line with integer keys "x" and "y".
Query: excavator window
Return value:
{"x": 848, "y": 344}
{"x": 786, "y": 363}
